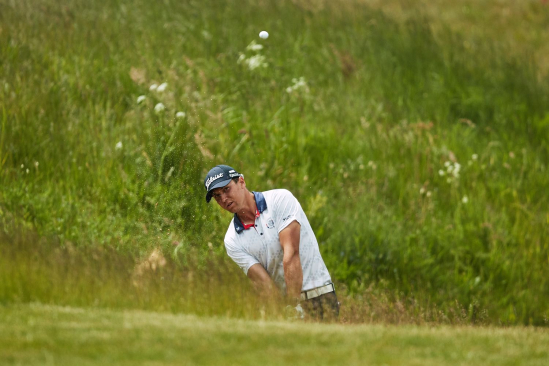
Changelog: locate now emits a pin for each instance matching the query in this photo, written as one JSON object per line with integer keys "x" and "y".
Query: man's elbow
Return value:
{"x": 263, "y": 283}
{"x": 291, "y": 258}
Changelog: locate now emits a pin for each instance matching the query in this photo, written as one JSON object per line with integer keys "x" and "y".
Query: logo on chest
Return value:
{"x": 270, "y": 224}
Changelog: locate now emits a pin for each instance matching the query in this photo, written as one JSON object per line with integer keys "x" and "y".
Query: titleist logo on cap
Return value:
{"x": 211, "y": 179}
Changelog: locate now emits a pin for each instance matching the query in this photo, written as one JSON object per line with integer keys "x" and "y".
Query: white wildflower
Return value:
{"x": 457, "y": 168}
{"x": 36, "y": 164}
{"x": 27, "y": 170}
{"x": 22, "y": 166}
{"x": 256, "y": 61}
{"x": 140, "y": 99}
{"x": 254, "y": 46}
{"x": 428, "y": 194}
{"x": 241, "y": 58}
{"x": 153, "y": 87}
{"x": 162, "y": 87}
{"x": 465, "y": 199}
{"x": 422, "y": 190}
{"x": 207, "y": 35}
{"x": 118, "y": 145}
{"x": 180, "y": 115}
{"x": 159, "y": 108}
{"x": 474, "y": 157}
{"x": 298, "y": 85}
{"x": 452, "y": 169}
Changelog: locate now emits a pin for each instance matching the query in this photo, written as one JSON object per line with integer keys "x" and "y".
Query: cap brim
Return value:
{"x": 223, "y": 183}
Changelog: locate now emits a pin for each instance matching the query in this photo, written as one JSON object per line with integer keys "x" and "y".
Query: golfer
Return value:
{"x": 272, "y": 241}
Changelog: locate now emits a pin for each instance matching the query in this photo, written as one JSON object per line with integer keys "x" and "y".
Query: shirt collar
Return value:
{"x": 261, "y": 206}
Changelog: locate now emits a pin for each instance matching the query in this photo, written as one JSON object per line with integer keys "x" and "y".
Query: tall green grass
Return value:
{"x": 386, "y": 105}
{"x": 40, "y": 270}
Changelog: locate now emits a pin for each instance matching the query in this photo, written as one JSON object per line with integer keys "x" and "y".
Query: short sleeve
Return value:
{"x": 287, "y": 209}
{"x": 242, "y": 258}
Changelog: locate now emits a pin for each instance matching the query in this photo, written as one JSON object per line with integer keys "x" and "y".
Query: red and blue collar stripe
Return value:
{"x": 261, "y": 206}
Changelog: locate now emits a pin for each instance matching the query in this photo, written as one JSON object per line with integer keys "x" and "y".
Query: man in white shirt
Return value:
{"x": 272, "y": 241}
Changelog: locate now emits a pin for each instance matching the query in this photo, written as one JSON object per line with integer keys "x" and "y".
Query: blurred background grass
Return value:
{"x": 415, "y": 134}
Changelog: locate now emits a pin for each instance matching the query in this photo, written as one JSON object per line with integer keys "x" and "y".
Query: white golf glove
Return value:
{"x": 294, "y": 312}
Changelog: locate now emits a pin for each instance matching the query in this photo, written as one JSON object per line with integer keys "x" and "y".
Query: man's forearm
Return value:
{"x": 263, "y": 284}
{"x": 267, "y": 291}
{"x": 293, "y": 275}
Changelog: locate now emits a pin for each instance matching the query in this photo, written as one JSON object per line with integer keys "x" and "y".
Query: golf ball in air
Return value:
{"x": 263, "y": 35}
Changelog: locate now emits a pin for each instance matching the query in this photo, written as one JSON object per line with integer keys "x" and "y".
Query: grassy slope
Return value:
{"x": 38, "y": 334}
{"x": 357, "y": 149}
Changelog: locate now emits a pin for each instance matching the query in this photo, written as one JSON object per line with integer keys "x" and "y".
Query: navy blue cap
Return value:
{"x": 219, "y": 176}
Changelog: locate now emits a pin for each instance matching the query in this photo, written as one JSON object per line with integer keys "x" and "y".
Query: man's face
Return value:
{"x": 232, "y": 196}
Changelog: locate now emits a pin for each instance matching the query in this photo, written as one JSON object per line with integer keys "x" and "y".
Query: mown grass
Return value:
{"x": 389, "y": 102}
{"x": 38, "y": 334}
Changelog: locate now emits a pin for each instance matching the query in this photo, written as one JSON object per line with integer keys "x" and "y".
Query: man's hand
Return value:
{"x": 293, "y": 273}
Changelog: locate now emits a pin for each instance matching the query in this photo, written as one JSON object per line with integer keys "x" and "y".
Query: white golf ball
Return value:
{"x": 263, "y": 35}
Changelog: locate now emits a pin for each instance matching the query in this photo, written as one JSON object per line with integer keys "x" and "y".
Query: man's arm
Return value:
{"x": 261, "y": 281}
{"x": 293, "y": 273}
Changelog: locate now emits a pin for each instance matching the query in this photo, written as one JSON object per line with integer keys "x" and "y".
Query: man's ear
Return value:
{"x": 242, "y": 181}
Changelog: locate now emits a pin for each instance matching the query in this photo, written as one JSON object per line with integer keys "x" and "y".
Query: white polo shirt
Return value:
{"x": 261, "y": 244}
